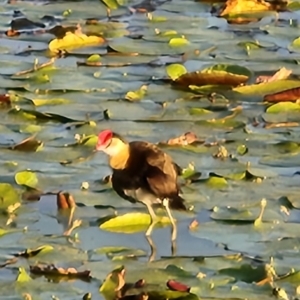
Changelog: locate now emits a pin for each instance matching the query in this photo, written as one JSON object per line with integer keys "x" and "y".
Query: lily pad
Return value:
{"x": 130, "y": 222}
{"x": 26, "y": 178}
{"x": 9, "y": 195}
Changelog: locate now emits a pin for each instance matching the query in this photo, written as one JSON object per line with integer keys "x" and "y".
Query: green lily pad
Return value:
{"x": 233, "y": 215}
{"x": 130, "y": 222}
{"x": 234, "y": 69}
{"x": 9, "y": 195}
{"x": 178, "y": 42}
{"x": 23, "y": 276}
{"x": 246, "y": 273}
{"x": 175, "y": 70}
{"x": 26, "y": 178}
{"x": 283, "y": 107}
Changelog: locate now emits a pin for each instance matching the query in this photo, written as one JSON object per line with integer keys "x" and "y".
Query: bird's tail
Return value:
{"x": 177, "y": 203}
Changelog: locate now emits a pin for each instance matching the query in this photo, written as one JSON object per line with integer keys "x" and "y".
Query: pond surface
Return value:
{"x": 248, "y": 155}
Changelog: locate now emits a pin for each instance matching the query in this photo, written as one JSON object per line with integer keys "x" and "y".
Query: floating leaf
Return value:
{"x": 3, "y": 232}
{"x": 232, "y": 214}
{"x": 268, "y": 87}
{"x": 232, "y": 69}
{"x": 8, "y": 195}
{"x": 216, "y": 182}
{"x": 136, "y": 95}
{"x": 185, "y": 139}
{"x": 210, "y": 78}
{"x": 241, "y": 149}
{"x": 112, "y": 4}
{"x": 190, "y": 173}
{"x": 286, "y": 95}
{"x": 283, "y": 73}
{"x": 120, "y": 252}
{"x": 33, "y": 252}
{"x": 177, "y": 286}
{"x": 178, "y": 42}
{"x": 113, "y": 282}
{"x": 246, "y": 273}
{"x": 35, "y": 115}
{"x": 72, "y": 40}
{"x": 283, "y": 107}
{"x": 26, "y": 178}
{"x": 94, "y": 58}
{"x": 30, "y": 144}
{"x": 5, "y": 100}
{"x": 131, "y": 222}
{"x": 175, "y": 70}
{"x": 53, "y": 101}
{"x": 51, "y": 270}
{"x": 296, "y": 43}
{"x": 23, "y": 277}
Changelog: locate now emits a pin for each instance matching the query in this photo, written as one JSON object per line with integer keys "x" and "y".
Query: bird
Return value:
{"x": 143, "y": 173}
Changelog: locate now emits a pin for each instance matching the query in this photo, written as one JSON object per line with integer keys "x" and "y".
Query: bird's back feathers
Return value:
{"x": 148, "y": 167}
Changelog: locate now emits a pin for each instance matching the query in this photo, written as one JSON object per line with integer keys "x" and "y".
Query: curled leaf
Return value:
{"x": 283, "y": 73}
{"x": 286, "y": 95}
{"x": 74, "y": 40}
{"x": 28, "y": 145}
{"x": 23, "y": 276}
{"x": 33, "y": 252}
{"x": 185, "y": 139}
{"x": 177, "y": 286}
{"x": 43, "y": 269}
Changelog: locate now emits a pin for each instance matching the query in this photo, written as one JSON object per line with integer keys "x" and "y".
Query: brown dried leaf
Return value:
{"x": 206, "y": 78}
{"x": 28, "y": 145}
{"x": 287, "y": 95}
{"x": 12, "y": 32}
{"x": 121, "y": 280}
{"x": 281, "y": 74}
{"x": 43, "y": 269}
{"x": 5, "y": 100}
{"x": 183, "y": 140}
{"x": 140, "y": 283}
{"x": 177, "y": 286}
{"x": 32, "y": 195}
{"x": 33, "y": 252}
{"x": 194, "y": 224}
{"x": 9, "y": 262}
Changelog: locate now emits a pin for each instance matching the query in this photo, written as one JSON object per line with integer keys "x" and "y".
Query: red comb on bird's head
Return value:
{"x": 104, "y": 139}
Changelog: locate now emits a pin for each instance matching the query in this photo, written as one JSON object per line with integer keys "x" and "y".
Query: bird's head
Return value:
{"x": 110, "y": 143}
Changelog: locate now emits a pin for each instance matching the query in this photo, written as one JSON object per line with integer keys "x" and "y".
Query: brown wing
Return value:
{"x": 161, "y": 172}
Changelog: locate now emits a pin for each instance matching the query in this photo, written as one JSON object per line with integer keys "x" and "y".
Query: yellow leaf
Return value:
{"x": 72, "y": 40}
{"x": 131, "y": 222}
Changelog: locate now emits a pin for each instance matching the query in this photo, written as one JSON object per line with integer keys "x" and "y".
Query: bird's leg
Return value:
{"x": 108, "y": 13}
{"x": 165, "y": 203}
{"x": 153, "y": 218}
{"x": 152, "y": 249}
